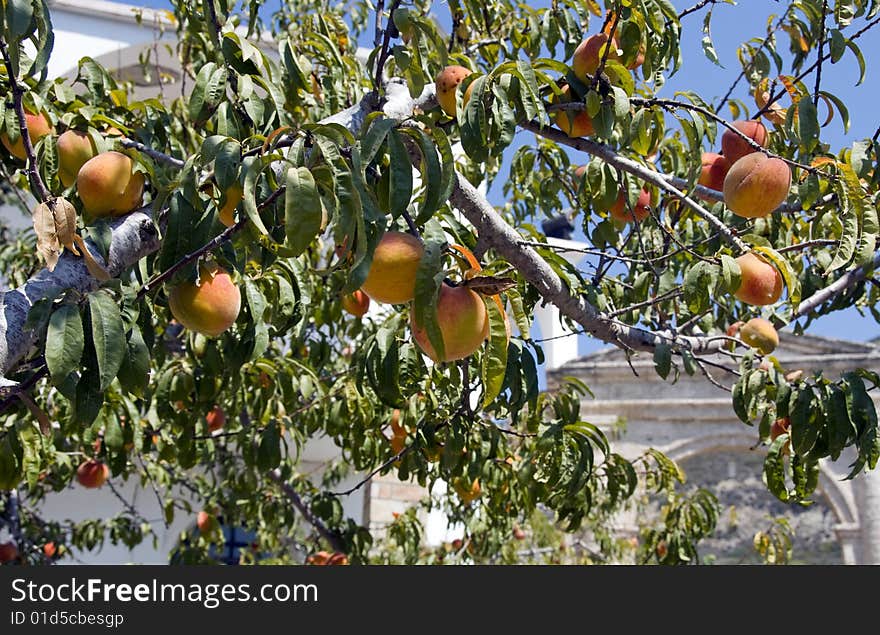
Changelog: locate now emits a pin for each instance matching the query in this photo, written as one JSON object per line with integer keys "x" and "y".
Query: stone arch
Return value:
{"x": 829, "y": 485}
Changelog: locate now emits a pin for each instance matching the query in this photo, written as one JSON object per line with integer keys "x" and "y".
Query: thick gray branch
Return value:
{"x": 134, "y": 236}
{"x": 844, "y": 282}
{"x": 498, "y": 234}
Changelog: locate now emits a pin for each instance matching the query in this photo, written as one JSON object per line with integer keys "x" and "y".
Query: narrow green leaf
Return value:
{"x": 400, "y": 175}
{"x": 108, "y": 335}
{"x": 134, "y": 373}
{"x": 302, "y": 209}
{"x": 495, "y": 355}
{"x": 64, "y": 342}
{"x": 253, "y": 168}
{"x": 429, "y": 277}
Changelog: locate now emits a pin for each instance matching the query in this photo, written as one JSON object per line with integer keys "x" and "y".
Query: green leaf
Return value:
{"x": 495, "y": 356}
{"x": 113, "y": 437}
{"x": 474, "y": 126}
{"x": 429, "y": 277}
{"x": 774, "y": 468}
{"x": 302, "y": 210}
{"x": 400, "y": 184}
{"x": 374, "y": 137}
{"x": 226, "y": 163}
{"x": 431, "y": 175}
{"x": 848, "y": 214}
{"x": 89, "y": 396}
{"x": 731, "y": 275}
{"x": 663, "y": 360}
{"x": 808, "y": 124}
{"x": 134, "y": 373}
{"x": 10, "y": 463}
{"x": 253, "y": 169}
{"x": 64, "y": 342}
{"x": 269, "y": 450}
{"x": 108, "y": 335}
{"x": 19, "y": 19}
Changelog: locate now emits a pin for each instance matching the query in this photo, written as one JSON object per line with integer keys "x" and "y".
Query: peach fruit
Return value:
{"x": 463, "y": 321}
{"x": 735, "y": 147}
{"x": 760, "y": 334}
{"x": 92, "y": 474}
{"x": 108, "y": 186}
{"x": 357, "y": 303}
{"x": 210, "y": 307}
{"x": 392, "y": 274}
{"x": 38, "y": 126}
{"x": 74, "y": 149}
{"x": 447, "y": 82}
{"x": 756, "y": 185}
{"x": 574, "y": 123}
{"x": 761, "y": 282}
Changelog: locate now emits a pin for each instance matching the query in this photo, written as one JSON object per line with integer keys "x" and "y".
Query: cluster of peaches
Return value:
{"x": 461, "y": 313}
{"x": 109, "y": 187}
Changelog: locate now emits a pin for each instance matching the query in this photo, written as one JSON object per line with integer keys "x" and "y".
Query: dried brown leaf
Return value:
{"x": 64, "y": 214}
{"x": 48, "y": 245}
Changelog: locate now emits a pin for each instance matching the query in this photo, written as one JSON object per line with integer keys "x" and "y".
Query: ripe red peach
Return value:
{"x": 735, "y": 147}
{"x": 641, "y": 210}
{"x": 463, "y": 321}
{"x": 38, "y": 126}
{"x": 108, "y": 186}
{"x": 761, "y": 282}
{"x": 756, "y": 185}
{"x": 210, "y": 307}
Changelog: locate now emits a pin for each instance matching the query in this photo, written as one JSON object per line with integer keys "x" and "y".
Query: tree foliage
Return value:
{"x": 329, "y": 153}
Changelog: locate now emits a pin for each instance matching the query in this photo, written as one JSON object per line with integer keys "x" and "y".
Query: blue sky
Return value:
{"x": 732, "y": 25}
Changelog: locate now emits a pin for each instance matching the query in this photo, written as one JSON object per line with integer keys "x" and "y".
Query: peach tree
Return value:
{"x": 193, "y": 303}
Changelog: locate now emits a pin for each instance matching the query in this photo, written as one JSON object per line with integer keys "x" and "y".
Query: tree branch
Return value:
{"x": 500, "y": 236}
{"x": 40, "y": 191}
{"x": 610, "y": 156}
{"x": 134, "y": 236}
{"x": 153, "y": 154}
{"x": 330, "y": 536}
{"x": 844, "y": 282}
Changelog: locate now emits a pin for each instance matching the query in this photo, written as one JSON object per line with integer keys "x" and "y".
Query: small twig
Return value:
{"x": 218, "y": 240}
{"x": 377, "y": 38}
{"x": 696, "y": 7}
{"x": 601, "y": 68}
{"x": 403, "y": 452}
{"x": 411, "y": 224}
{"x": 386, "y": 47}
{"x": 671, "y": 104}
{"x": 782, "y": 92}
{"x": 150, "y": 152}
{"x": 819, "y": 242}
{"x": 153, "y": 487}
{"x": 669, "y": 295}
{"x": 611, "y": 157}
{"x": 332, "y": 537}
{"x": 821, "y": 47}
{"x": 40, "y": 191}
